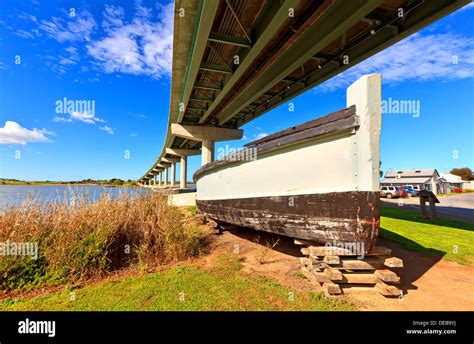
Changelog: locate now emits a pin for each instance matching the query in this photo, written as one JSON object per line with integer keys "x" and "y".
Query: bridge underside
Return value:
{"x": 235, "y": 60}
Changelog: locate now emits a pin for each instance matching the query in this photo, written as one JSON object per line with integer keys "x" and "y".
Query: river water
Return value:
{"x": 14, "y": 195}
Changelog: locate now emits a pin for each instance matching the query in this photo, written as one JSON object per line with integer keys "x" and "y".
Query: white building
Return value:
{"x": 426, "y": 179}
{"x": 452, "y": 181}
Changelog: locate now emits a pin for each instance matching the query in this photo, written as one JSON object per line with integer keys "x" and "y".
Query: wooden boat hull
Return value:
{"x": 324, "y": 218}
{"x": 318, "y": 181}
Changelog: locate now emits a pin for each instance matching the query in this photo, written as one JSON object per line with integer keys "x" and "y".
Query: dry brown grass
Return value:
{"x": 88, "y": 238}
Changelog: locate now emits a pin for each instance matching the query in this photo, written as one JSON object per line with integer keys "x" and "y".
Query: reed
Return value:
{"x": 78, "y": 239}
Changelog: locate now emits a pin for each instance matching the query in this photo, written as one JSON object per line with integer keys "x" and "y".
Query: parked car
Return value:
{"x": 409, "y": 191}
{"x": 389, "y": 191}
{"x": 414, "y": 187}
{"x": 402, "y": 192}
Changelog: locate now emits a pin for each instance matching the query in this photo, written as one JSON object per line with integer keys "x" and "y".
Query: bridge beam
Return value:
{"x": 311, "y": 42}
{"x": 205, "y": 18}
{"x": 170, "y": 160}
{"x": 200, "y": 133}
{"x": 182, "y": 152}
{"x": 206, "y": 135}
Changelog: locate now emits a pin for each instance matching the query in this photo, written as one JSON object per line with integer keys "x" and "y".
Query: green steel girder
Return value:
{"x": 329, "y": 27}
{"x": 272, "y": 28}
{"x": 207, "y": 86}
{"x": 418, "y": 19}
{"x": 215, "y": 68}
{"x": 199, "y": 108}
{"x": 201, "y": 99}
{"x": 204, "y": 24}
{"x": 227, "y": 39}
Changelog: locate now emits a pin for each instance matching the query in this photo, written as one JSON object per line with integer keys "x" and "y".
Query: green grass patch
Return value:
{"x": 452, "y": 240}
{"x": 183, "y": 288}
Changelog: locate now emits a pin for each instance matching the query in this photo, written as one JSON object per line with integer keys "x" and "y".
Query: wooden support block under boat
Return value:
{"x": 332, "y": 260}
{"x": 331, "y": 288}
{"x": 322, "y": 251}
{"x": 333, "y": 274}
{"x": 393, "y": 262}
{"x": 387, "y": 290}
{"x": 387, "y": 276}
{"x": 372, "y": 272}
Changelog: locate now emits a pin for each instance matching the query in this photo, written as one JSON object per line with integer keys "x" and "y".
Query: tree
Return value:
{"x": 465, "y": 173}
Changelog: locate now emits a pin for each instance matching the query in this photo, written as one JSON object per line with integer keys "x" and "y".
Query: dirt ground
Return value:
{"x": 428, "y": 282}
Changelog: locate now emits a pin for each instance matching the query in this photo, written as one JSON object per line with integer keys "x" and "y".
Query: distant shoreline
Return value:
{"x": 60, "y": 183}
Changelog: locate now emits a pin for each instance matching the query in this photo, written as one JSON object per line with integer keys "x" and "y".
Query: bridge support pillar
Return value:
{"x": 207, "y": 152}
{"x": 159, "y": 178}
{"x": 154, "y": 180}
{"x": 173, "y": 174}
{"x": 166, "y": 176}
{"x": 183, "y": 172}
{"x": 207, "y": 136}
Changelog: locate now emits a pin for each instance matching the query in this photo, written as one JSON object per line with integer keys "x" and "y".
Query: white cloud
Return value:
{"x": 71, "y": 59}
{"x": 27, "y": 17}
{"x": 417, "y": 58}
{"x": 141, "y": 46}
{"x": 25, "y": 34}
{"x": 107, "y": 129}
{"x": 67, "y": 28}
{"x": 260, "y": 136}
{"x": 13, "y": 133}
{"x": 85, "y": 117}
{"x": 62, "y": 119}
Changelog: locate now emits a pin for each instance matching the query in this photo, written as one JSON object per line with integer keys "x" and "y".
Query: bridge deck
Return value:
{"x": 235, "y": 60}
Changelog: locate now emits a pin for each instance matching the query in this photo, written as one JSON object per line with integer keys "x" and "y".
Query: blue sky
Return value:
{"x": 117, "y": 54}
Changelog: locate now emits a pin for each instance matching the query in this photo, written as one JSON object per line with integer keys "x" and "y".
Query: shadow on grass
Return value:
{"x": 417, "y": 259}
{"x": 401, "y": 214}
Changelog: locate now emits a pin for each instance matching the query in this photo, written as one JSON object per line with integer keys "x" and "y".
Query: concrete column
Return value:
{"x": 207, "y": 151}
{"x": 166, "y": 176}
{"x": 159, "y": 178}
{"x": 183, "y": 172}
{"x": 154, "y": 180}
{"x": 173, "y": 173}
{"x": 366, "y": 95}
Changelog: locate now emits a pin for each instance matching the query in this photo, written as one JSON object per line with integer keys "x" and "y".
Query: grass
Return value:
{"x": 78, "y": 239}
{"x": 184, "y": 288}
{"x": 451, "y": 239}
{"x": 192, "y": 209}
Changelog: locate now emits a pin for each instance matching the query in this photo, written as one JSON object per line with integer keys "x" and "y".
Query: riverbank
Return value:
{"x": 182, "y": 266}
{"x": 73, "y": 240}
{"x": 112, "y": 182}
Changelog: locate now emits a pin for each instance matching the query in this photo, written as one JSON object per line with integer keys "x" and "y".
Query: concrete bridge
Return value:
{"x": 235, "y": 60}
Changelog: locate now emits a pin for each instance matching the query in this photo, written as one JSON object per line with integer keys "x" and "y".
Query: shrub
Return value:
{"x": 85, "y": 238}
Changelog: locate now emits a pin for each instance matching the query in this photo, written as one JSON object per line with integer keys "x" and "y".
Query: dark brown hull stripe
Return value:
{"x": 338, "y": 216}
